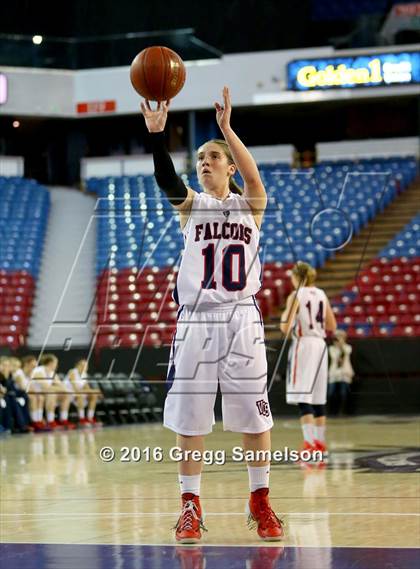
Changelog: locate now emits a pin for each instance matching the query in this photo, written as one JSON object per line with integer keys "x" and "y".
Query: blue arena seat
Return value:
{"x": 137, "y": 227}
{"x": 24, "y": 208}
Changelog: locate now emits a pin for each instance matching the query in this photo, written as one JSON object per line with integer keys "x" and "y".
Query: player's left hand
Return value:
{"x": 223, "y": 112}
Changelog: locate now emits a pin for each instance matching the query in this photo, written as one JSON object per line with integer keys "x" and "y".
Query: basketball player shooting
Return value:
{"x": 220, "y": 336}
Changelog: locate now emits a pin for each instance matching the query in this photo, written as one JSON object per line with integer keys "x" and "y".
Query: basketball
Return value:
{"x": 157, "y": 73}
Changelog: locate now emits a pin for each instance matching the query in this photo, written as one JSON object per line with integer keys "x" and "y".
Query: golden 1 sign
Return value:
{"x": 361, "y": 71}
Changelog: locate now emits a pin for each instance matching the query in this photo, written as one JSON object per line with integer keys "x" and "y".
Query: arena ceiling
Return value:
{"x": 83, "y": 34}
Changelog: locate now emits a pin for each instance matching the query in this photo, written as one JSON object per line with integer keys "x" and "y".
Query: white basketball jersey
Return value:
{"x": 80, "y": 380}
{"x": 44, "y": 377}
{"x": 25, "y": 380}
{"x": 310, "y": 318}
{"x": 220, "y": 262}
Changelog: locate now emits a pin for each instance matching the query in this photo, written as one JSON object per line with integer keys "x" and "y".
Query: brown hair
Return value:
{"x": 27, "y": 359}
{"x": 233, "y": 186}
{"x": 47, "y": 359}
{"x": 305, "y": 273}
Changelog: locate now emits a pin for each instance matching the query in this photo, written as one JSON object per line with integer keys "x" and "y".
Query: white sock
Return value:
{"x": 81, "y": 413}
{"x": 64, "y": 415}
{"x": 308, "y": 432}
{"x": 50, "y": 416}
{"x": 34, "y": 416}
{"x": 320, "y": 433}
{"x": 91, "y": 414}
{"x": 258, "y": 477}
{"x": 190, "y": 484}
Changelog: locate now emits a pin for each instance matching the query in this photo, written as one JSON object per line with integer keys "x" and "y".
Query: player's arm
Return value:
{"x": 333, "y": 352}
{"x": 254, "y": 190}
{"x": 179, "y": 195}
{"x": 330, "y": 321}
{"x": 347, "y": 351}
{"x": 57, "y": 380}
{"x": 38, "y": 376}
{"x": 72, "y": 377}
{"x": 289, "y": 314}
{"x": 168, "y": 181}
{"x": 19, "y": 381}
{"x": 41, "y": 380}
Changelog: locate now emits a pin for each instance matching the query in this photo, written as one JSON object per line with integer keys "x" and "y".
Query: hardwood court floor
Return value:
{"x": 56, "y": 489}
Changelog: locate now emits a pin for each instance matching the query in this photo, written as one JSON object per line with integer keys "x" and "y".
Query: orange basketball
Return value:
{"x": 157, "y": 73}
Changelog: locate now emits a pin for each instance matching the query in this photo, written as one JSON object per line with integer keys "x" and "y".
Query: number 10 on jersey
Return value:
{"x": 232, "y": 268}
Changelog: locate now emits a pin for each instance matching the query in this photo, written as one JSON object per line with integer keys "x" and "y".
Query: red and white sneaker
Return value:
{"x": 67, "y": 425}
{"x": 321, "y": 446}
{"x": 41, "y": 426}
{"x": 94, "y": 423}
{"x": 84, "y": 423}
{"x": 190, "y": 523}
{"x": 306, "y": 448}
{"x": 261, "y": 516}
{"x": 37, "y": 427}
{"x": 54, "y": 426}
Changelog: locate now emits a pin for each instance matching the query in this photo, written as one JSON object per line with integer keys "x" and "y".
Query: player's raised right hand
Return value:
{"x": 155, "y": 119}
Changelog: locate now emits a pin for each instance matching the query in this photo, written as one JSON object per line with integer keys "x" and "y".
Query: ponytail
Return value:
{"x": 304, "y": 273}
{"x": 234, "y": 187}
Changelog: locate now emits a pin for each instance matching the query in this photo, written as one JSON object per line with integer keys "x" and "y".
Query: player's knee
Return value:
{"x": 180, "y": 436}
{"x": 319, "y": 410}
{"x": 305, "y": 409}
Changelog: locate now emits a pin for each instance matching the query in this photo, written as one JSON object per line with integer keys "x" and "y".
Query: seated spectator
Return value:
{"x": 340, "y": 373}
{"x": 15, "y": 401}
{"x": 15, "y": 364}
{"x": 84, "y": 395}
{"x": 5, "y": 414}
{"x": 33, "y": 390}
{"x": 55, "y": 391}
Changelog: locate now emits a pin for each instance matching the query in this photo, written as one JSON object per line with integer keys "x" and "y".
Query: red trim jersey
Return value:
{"x": 310, "y": 318}
{"x": 220, "y": 262}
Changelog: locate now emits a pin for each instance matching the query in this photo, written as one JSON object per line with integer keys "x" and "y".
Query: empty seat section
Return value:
{"x": 310, "y": 214}
{"x": 24, "y": 207}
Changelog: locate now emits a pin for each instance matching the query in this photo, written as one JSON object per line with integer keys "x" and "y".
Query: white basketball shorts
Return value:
{"x": 307, "y": 373}
{"x": 70, "y": 388}
{"x": 220, "y": 346}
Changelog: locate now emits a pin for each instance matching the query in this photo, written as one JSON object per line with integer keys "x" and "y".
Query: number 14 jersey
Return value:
{"x": 220, "y": 262}
{"x": 310, "y": 318}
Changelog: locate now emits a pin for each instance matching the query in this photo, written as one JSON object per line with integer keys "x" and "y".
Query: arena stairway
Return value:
{"x": 364, "y": 247}
{"x": 63, "y": 281}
